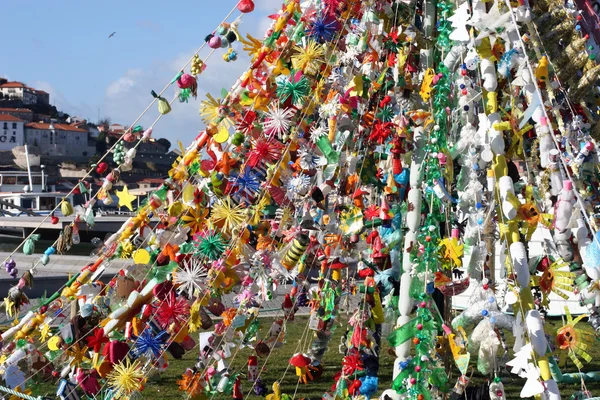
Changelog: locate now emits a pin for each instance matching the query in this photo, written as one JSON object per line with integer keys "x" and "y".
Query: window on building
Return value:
{"x": 14, "y": 133}
{"x": 14, "y": 125}
{"x": 5, "y": 125}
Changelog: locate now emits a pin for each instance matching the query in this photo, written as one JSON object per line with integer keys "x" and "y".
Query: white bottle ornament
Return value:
{"x": 519, "y": 260}
{"x": 580, "y": 233}
{"x": 555, "y": 175}
{"x": 497, "y": 390}
{"x": 488, "y": 73}
{"x": 413, "y": 216}
{"x": 507, "y": 195}
{"x": 495, "y": 137}
{"x": 537, "y": 337}
{"x": 564, "y": 206}
{"x": 542, "y": 130}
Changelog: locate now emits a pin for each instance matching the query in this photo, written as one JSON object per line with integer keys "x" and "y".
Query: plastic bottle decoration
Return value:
{"x": 288, "y": 307}
{"x": 296, "y": 250}
{"x": 252, "y": 368}
{"x": 163, "y": 104}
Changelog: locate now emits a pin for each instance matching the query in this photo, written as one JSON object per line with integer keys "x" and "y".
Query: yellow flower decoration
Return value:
{"x": 209, "y": 111}
{"x": 79, "y": 355}
{"x": 309, "y": 58}
{"x": 195, "y": 219}
{"x": 45, "y": 332}
{"x": 555, "y": 281}
{"x": 572, "y": 341}
{"x": 227, "y": 215}
{"x": 195, "y": 321}
{"x": 126, "y": 378}
{"x": 251, "y": 45}
{"x": 127, "y": 249}
{"x": 452, "y": 250}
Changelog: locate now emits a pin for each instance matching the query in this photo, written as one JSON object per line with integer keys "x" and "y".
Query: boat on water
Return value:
{"x": 32, "y": 203}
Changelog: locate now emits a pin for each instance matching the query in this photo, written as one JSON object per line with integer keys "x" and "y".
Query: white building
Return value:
{"x": 54, "y": 139}
{"x": 11, "y": 132}
{"x": 19, "y": 91}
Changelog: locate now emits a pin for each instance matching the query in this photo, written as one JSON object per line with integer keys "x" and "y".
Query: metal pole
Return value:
{"x": 28, "y": 169}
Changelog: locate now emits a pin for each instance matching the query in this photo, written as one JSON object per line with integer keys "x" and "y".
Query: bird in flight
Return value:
{"x": 111, "y": 35}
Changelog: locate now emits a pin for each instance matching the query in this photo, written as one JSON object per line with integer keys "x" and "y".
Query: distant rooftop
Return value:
{"x": 8, "y": 117}
{"x": 58, "y": 127}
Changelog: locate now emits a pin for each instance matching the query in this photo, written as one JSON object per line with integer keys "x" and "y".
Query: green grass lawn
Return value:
{"x": 164, "y": 386}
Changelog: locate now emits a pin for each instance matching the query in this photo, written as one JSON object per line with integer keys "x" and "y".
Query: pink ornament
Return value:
{"x": 215, "y": 42}
{"x": 186, "y": 80}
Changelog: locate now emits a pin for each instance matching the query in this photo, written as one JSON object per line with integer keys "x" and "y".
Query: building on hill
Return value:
{"x": 56, "y": 139}
{"x": 21, "y": 113}
{"x": 11, "y": 132}
{"x": 19, "y": 91}
{"x": 42, "y": 97}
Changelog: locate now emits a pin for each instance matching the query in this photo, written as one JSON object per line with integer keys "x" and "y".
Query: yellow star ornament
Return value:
{"x": 125, "y": 198}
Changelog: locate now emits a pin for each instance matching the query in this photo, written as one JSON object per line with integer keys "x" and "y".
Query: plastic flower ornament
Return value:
{"x": 309, "y": 58}
{"x": 127, "y": 249}
{"x": 555, "y": 280}
{"x": 172, "y": 310}
{"x": 211, "y": 113}
{"x": 323, "y": 29}
{"x": 246, "y": 184}
{"x": 295, "y": 87}
{"x": 191, "y": 383}
{"x": 210, "y": 244}
{"x": 227, "y": 215}
{"x": 572, "y": 341}
{"x": 195, "y": 320}
{"x": 150, "y": 345}
{"x": 297, "y": 185}
{"x": 264, "y": 151}
{"x": 188, "y": 277}
{"x": 195, "y": 218}
{"x": 126, "y": 378}
{"x": 278, "y": 121}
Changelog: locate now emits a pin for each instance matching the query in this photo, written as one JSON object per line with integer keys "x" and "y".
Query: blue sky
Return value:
{"x": 62, "y": 47}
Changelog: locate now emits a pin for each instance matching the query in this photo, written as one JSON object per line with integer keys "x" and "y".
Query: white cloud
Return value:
{"x": 124, "y": 83}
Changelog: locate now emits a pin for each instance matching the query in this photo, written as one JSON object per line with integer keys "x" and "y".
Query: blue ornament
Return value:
{"x": 150, "y": 345}
{"x": 484, "y": 313}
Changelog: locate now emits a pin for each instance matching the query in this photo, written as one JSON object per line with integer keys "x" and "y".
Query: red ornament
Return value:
{"x": 101, "y": 168}
{"x": 54, "y": 220}
{"x": 246, "y": 6}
